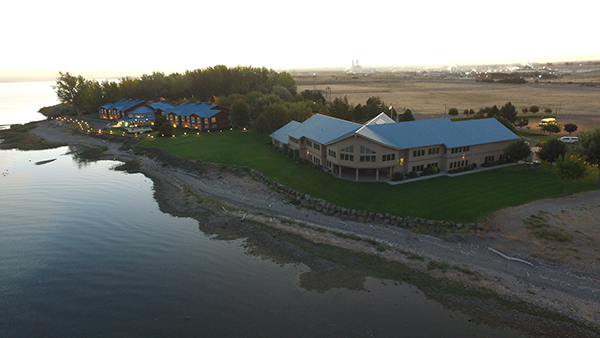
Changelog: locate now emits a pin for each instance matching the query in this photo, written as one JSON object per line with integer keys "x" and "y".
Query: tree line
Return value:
{"x": 202, "y": 85}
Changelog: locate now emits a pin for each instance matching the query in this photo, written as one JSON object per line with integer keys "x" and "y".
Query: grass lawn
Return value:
{"x": 461, "y": 199}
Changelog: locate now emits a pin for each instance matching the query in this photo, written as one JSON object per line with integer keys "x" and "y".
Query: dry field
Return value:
{"x": 428, "y": 97}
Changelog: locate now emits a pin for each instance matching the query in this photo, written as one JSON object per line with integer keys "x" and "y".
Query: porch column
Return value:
{"x": 340, "y": 171}
{"x": 357, "y": 174}
{"x": 377, "y": 174}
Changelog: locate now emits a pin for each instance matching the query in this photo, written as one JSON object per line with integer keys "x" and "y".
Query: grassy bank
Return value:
{"x": 461, "y": 199}
{"x": 18, "y": 137}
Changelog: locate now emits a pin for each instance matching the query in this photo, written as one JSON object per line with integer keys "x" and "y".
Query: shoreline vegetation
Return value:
{"x": 545, "y": 299}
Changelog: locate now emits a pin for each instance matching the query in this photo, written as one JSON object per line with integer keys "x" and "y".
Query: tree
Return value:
{"x": 491, "y": 111}
{"x": 551, "y": 128}
{"x": 166, "y": 129}
{"x": 70, "y": 89}
{"x": 589, "y": 147}
{"x": 524, "y": 110}
{"x": 569, "y": 168}
{"x": 551, "y": 150}
{"x": 534, "y": 109}
{"x": 341, "y": 108}
{"x": 453, "y": 111}
{"x": 273, "y": 117}
{"x": 506, "y": 123}
{"x": 548, "y": 110}
{"x": 521, "y": 122}
{"x": 570, "y": 128}
{"x": 517, "y": 150}
{"x": 407, "y": 116}
{"x": 240, "y": 113}
{"x": 509, "y": 111}
{"x": 158, "y": 122}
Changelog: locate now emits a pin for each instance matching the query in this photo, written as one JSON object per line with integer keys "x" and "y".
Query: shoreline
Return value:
{"x": 234, "y": 201}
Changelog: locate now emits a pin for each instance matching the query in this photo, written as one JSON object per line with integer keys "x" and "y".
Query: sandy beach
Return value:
{"x": 504, "y": 258}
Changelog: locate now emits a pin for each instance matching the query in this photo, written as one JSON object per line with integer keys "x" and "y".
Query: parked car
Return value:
{"x": 570, "y": 139}
{"x": 546, "y": 121}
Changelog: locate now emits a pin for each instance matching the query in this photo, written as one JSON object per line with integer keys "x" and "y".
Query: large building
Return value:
{"x": 384, "y": 147}
{"x": 134, "y": 113}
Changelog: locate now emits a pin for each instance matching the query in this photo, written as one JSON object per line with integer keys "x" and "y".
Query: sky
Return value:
{"x": 116, "y": 38}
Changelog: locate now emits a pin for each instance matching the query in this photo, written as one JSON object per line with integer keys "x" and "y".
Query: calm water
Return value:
{"x": 85, "y": 251}
{"x": 20, "y": 101}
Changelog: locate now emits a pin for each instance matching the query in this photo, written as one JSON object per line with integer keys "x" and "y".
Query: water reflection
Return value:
{"x": 87, "y": 251}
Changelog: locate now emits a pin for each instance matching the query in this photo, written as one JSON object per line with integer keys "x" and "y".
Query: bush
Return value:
{"x": 412, "y": 174}
{"x": 398, "y": 176}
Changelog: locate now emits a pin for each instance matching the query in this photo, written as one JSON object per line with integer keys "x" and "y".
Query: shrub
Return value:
{"x": 398, "y": 176}
{"x": 412, "y": 174}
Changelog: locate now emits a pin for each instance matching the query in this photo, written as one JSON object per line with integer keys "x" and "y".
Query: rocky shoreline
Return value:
{"x": 556, "y": 299}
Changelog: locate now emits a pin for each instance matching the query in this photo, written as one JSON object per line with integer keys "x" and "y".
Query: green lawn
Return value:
{"x": 461, "y": 199}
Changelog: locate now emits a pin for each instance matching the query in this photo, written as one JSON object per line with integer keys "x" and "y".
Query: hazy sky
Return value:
{"x": 116, "y": 38}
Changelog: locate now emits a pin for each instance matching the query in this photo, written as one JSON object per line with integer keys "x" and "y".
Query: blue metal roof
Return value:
{"x": 166, "y": 107}
{"x": 202, "y": 109}
{"x": 122, "y": 105}
{"x": 323, "y": 129}
{"x": 142, "y": 110}
{"x": 415, "y": 134}
{"x": 281, "y": 134}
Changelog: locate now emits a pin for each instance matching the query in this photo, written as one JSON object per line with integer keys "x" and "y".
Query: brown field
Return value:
{"x": 574, "y": 97}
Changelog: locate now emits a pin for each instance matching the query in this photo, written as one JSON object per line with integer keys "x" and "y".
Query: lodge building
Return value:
{"x": 135, "y": 113}
{"x": 384, "y": 147}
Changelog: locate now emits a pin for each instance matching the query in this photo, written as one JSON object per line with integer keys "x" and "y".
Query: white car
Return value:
{"x": 570, "y": 139}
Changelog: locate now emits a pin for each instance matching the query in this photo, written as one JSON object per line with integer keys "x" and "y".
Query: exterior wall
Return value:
{"x": 381, "y": 157}
{"x": 419, "y": 158}
{"x": 115, "y": 114}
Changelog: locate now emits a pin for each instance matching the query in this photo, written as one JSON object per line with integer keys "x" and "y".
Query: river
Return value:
{"x": 85, "y": 251}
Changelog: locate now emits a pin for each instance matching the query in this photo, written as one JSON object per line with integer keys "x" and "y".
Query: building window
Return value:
{"x": 293, "y": 140}
{"x": 460, "y": 150}
{"x": 489, "y": 159}
{"x": 417, "y": 153}
{"x": 367, "y": 158}
{"x": 347, "y": 154}
{"x": 365, "y": 150}
{"x": 433, "y": 151}
{"x": 213, "y": 119}
{"x": 317, "y": 146}
{"x": 418, "y": 168}
{"x": 388, "y": 157}
{"x": 331, "y": 153}
{"x": 347, "y": 157}
{"x": 316, "y": 160}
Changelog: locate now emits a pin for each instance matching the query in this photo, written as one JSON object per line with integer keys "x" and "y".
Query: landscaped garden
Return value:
{"x": 460, "y": 199}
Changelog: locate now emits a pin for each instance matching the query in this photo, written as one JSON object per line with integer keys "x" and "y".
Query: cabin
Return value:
{"x": 384, "y": 147}
{"x": 120, "y": 109}
{"x": 200, "y": 116}
{"x": 133, "y": 114}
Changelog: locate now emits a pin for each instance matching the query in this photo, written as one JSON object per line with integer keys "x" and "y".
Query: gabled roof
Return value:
{"x": 142, "y": 110}
{"x": 380, "y": 119}
{"x": 122, "y": 105}
{"x": 281, "y": 134}
{"x": 479, "y": 131}
{"x": 415, "y": 134}
{"x": 161, "y": 105}
{"x": 202, "y": 109}
{"x": 323, "y": 129}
